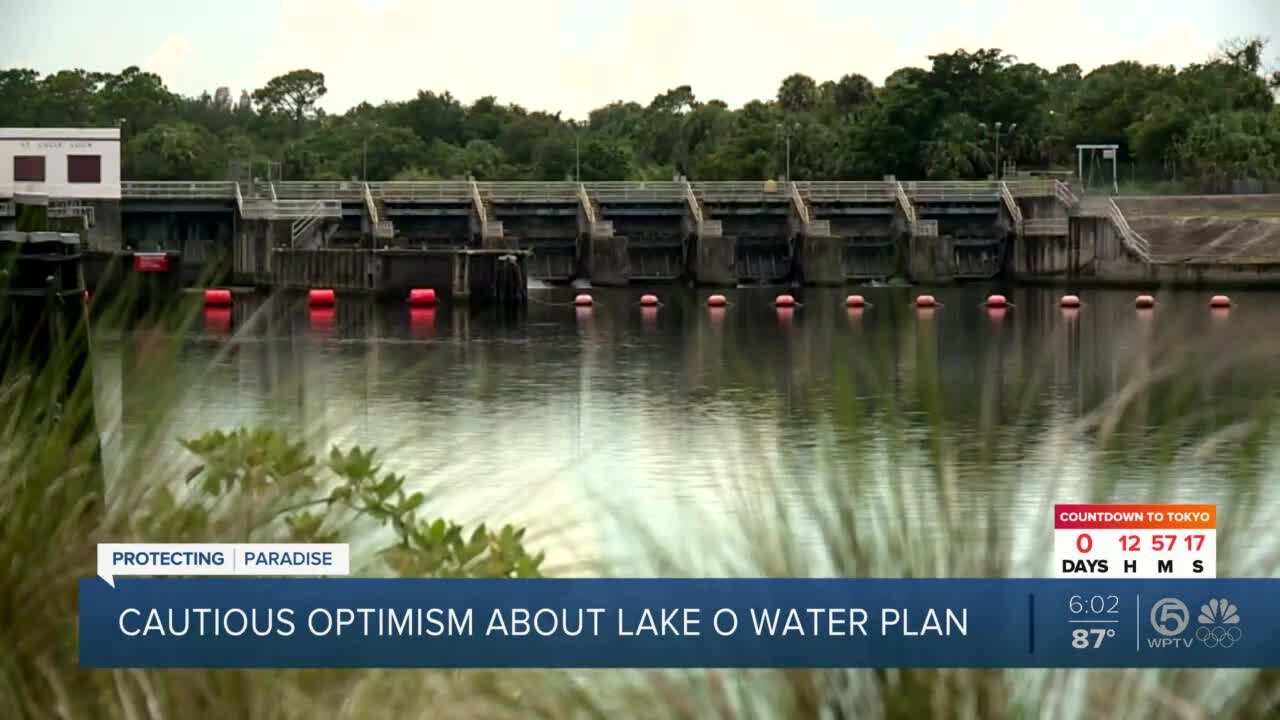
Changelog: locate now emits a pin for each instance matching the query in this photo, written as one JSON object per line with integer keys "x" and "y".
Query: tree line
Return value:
{"x": 1207, "y": 124}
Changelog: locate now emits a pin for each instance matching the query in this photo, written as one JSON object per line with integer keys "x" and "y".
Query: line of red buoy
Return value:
{"x": 997, "y": 301}
{"x": 926, "y": 301}
{"x": 1144, "y": 302}
{"x": 648, "y": 300}
{"x": 717, "y": 301}
{"x": 785, "y": 301}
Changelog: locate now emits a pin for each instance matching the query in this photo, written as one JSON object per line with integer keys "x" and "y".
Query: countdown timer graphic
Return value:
{"x": 1135, "y": 541}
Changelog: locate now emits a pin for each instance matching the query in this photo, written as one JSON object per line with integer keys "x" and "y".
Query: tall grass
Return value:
{"x": 899, "y": 504}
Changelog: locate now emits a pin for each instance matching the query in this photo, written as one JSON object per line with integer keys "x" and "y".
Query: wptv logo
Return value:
{"x": 1217, "y": 624}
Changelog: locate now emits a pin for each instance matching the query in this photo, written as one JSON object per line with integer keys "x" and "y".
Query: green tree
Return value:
{"x": 798, "y": 94}
{"x": 140, "y": 98}
{"x": 179, "y": 151}
{"x": 293, "y": 95}
{"x": 956, "y": 151}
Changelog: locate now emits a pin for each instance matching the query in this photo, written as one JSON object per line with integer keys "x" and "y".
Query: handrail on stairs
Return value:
{"x": 802, "y": 208}
{"x": 371, "y": 205}
{"x": 1015, "y": 212}
{"x": 908, "y": 209}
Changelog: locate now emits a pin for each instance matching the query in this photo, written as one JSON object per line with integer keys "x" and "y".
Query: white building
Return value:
{"x": 62, "y": 163}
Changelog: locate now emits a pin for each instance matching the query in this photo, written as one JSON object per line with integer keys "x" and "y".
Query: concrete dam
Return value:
{"x": 462, "y": 237}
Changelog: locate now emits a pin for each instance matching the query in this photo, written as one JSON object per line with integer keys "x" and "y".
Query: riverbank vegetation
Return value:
{"x": 1205, "y": 127}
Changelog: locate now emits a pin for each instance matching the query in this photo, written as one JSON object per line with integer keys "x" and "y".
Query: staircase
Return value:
{"x": 307, "y": 216}
{"x": 1105, "y": 207}
{"x": 702, "y": 227}
{"x": 491, "y": 231}
{"x": 596, "y": 225}
{"x": 1010, "y": 204}
{"x": 382, "y": 229}
{"x": 917, "y": 227}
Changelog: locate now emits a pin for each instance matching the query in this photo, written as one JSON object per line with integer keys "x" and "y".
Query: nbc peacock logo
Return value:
{"x": 1219, "y": 624}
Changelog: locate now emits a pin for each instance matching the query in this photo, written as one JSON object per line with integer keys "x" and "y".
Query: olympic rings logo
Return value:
{"x": 1219, "y": 636}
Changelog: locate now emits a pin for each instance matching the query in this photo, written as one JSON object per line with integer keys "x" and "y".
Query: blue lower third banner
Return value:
{"x": 351, "y": 622}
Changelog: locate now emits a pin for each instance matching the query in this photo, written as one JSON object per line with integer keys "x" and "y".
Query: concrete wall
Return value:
{"x": 55, "y": 145}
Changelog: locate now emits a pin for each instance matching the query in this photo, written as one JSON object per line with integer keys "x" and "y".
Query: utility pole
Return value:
{"x": 577, "y": 156}
{"x": 786, "y": 132}
{"x": 364, "y": 156}
{"x": 998, "y": 126}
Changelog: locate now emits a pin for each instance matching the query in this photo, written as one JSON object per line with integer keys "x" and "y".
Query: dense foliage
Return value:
{"x": 1212, "y": 122}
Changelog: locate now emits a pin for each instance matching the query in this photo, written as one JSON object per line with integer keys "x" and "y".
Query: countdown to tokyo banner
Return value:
{"x": 350, "y": 622}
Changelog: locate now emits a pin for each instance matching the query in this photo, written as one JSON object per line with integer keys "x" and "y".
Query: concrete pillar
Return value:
{"x": 929, "y": 261}
{"x": 607, "y": 261}
{"x": 715, "y": 260}
{"x": 821, "y": 260}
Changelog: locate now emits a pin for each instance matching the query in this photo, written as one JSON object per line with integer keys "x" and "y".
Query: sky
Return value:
{"x": 575, "y": 55}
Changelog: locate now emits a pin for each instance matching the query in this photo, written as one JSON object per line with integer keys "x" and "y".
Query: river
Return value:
{"x": 588, "y": 423}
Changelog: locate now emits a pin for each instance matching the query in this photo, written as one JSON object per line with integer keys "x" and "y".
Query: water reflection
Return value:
{"x": 672, "y": 410}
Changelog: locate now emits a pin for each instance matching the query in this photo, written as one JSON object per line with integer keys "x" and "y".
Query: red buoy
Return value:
{"x": 997, "y": 301}
{"x": 422, "y": 297}
{"x": 1069, "y": 301}
{"x": 583, "y": 300}
{"x": 217, "y": 298}
{"x": 649, "y": 300}
{"x": 785, "y": 301}
{"x": 321, "y": 298}
{"x": 926, "y": 301}
{"x": 717, "y": 301}
{"x": 855, "y": 301}
{"x": 217, "y": 319}
{"x": 1219, "y": 301}
{"x": 322, "y": 319}
{"x": 1144, "y": 301}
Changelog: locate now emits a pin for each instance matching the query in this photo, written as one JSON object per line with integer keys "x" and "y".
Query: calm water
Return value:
{"x": 567, "y": 417}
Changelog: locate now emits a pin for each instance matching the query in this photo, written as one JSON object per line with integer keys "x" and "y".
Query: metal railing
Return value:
{"x": 595, "y": 226}
{"x": 818, "y": 228}
{"x": 1137, "y": 244}
{"x": 1045, "y": 226}
{"x": 1010, "y": 204}
{"x": 802, "y": 208}
{"x": 71, "y": 209}
{"x": 908, "y": 208}
{"x": 371, "y": 206}
{"x": 177, "y": 190}
{"x": 264, "y": 209}
{"x": 531, "y": 191}
{"x": 422, "y": 191}
{"x": 695, "y": 207}
{"x": 742, "y": 191}
{"x": 489, "y": 228}
{"x": 318, "y": 190}
{"x": 636, "y": 191}
{"x": 1064, "y": 194}
{"x": 987, "y": 190}
{"x": 841, "y": 190}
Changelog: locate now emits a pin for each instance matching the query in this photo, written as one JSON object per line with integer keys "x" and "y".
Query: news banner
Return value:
{"x": 1135, "y": 586}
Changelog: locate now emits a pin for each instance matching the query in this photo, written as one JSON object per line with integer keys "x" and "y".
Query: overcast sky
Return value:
{"x": 574, "y": 55}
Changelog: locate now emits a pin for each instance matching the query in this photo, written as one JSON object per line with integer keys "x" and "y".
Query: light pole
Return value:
{"x": 577, "y": 155}
{"x": 786, "y": 132}
{"x": 998, "y": 125}
{"x": 364, "y": 156}
{"x": 120, "y": 126}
